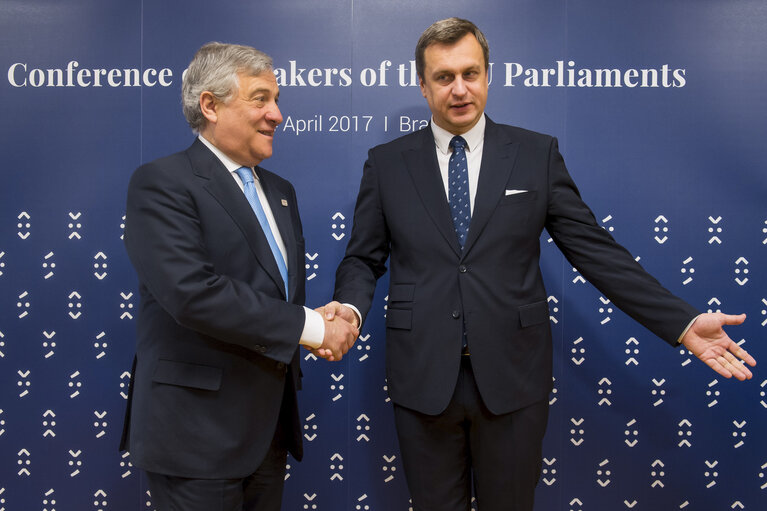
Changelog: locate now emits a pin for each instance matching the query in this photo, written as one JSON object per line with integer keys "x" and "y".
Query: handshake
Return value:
{"x": 341, "y": 330}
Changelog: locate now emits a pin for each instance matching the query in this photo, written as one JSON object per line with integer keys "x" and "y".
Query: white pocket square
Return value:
{"x": 514, "y": 192}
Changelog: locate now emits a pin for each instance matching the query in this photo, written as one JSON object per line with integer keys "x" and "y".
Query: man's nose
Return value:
{"x": 274, "y": 115}
{"x": 459, "y": 87}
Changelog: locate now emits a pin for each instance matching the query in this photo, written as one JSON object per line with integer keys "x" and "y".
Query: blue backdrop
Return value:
{"x": 659, "y": 107}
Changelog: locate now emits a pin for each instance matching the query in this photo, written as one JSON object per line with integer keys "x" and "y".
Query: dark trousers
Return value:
{"x": 260, "y": 491}
{"x": 444, "y": 454}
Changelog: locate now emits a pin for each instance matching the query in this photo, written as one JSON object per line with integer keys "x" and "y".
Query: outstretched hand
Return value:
{"x": 708, "y": 341}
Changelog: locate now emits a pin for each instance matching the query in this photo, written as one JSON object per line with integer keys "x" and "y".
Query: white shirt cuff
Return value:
{"x": 357, "y": 312}
{"x": 314, "y": 329}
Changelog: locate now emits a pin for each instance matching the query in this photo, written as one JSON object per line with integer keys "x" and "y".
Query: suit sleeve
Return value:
{"x": 164, "y": 240}
{"x": 368, "y": 249}
{"x": 605, "y": 263}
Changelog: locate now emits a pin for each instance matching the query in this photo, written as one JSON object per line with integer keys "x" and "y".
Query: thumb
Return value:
{"x": 730, "y": 319}
{"x": 331, "y": 309}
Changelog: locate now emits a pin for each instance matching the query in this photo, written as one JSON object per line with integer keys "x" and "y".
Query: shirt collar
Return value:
{"x": 473, "y": 137}
{"x": 229, "y": 163}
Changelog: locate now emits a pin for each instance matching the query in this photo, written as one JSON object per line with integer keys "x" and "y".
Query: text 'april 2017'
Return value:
{"x": 322, "y": 123}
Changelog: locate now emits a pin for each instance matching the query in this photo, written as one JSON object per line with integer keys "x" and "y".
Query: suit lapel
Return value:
{"x": 224, "y": 189}
{"x": 498, "y": 155}
{"x": 422, "y": 164}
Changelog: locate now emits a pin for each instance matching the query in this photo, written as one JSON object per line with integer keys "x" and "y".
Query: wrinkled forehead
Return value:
{"x": 250, "y": 83}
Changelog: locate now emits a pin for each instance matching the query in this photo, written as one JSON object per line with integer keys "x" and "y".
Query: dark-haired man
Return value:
{"x": 458, "y": 209}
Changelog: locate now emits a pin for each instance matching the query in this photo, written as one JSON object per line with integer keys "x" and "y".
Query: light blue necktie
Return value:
{"x": 246, "y": 175}
{"x": 458, "y": 189}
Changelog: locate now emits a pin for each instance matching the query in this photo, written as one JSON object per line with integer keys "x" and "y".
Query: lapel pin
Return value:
{"x": 284, "y": 202}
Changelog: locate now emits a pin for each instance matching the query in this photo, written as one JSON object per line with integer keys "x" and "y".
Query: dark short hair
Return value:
{"x": 448, "y": 31}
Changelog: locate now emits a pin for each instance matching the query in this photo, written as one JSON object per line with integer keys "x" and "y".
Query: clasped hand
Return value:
{"x": 341, "y": 330}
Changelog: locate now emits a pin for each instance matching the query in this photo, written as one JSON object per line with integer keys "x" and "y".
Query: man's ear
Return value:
{"x": 208, "y": 106}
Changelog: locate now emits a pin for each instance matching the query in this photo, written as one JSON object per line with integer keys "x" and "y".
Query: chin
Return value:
{"x": 263, "y": 152}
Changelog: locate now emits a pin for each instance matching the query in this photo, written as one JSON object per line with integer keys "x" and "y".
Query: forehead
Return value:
{"x": 464, "y": 53}
{"x": 249, "y": 83}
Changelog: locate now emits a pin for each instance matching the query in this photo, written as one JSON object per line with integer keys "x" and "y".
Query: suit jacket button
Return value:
{"x": 280, "y": 366}
{"x": 456, "y": 314}
{"x": 463, "y": 268}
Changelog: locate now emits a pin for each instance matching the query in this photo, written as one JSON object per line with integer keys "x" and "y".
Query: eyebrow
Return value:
{"x": 472, "y": 67}
{"x": 263, "y": 90}
{"x": 260, "y": 90}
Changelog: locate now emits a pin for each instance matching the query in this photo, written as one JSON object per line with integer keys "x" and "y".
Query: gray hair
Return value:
{"x": 214, "y": 68}
{"x": 448, "y": 31}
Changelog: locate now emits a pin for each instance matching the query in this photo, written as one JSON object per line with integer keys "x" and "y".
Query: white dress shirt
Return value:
{"x": 475, "y": 141}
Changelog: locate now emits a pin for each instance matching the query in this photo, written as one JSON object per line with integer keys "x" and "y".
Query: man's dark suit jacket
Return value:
{"x": 217, "y": 342}
{"x": 493, "y": 288}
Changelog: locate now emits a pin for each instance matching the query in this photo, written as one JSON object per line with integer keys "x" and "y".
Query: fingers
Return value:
{"x": 741, "y": 372}
{"x": 339, "y": 338}
{"x": 350, "y": 334}
{"x": 708, "y": 341}
{"x": 334, "y": 309}
{"x": 729, "y": 366}
{"x": 743, "y": 355}
{"x": 731, "y": 319}
{"x": 331, "y": 309}
{"x": 718, "y": 367}
{"x": 339, "y": 335}
{"x": 321, "y": 353}
{"x": 326, "y": 354}
{"x": 709, "y": 325}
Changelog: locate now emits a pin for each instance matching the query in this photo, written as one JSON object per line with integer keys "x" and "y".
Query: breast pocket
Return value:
{"x": 518, "y": 197}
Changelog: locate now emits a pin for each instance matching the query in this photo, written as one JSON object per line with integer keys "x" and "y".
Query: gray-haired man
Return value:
{"x": 217, "y": 244}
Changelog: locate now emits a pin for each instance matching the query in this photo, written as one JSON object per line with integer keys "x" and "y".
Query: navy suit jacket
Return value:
{"x": 493, "y": 289}
{"x": 217, "y": 341}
